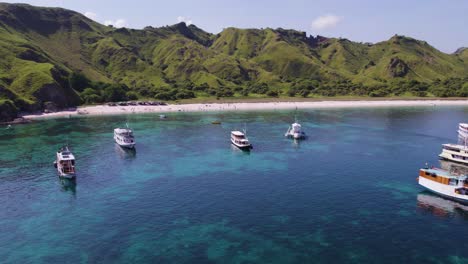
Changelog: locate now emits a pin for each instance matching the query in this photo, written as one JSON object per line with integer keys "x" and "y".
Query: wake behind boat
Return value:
{"x": 240, "y": 140}
{"x": 65, "y": 163}
{"x": 124, "y": 137}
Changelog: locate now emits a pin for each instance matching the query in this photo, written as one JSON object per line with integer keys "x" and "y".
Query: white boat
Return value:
{"x": 65, "y": 163}
{"x": 444, "y": 183}
{"x": 295, "y": 131}
{"x": 463, "y": 131}
{"x": 455, "y": 152}
{"x": 124, "y": 137}
{"x": 240, "y": 140}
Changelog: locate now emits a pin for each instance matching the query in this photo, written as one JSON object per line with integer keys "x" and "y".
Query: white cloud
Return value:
{"x": 187, "y": 20}
{"x": 326, "y": 21}
{"x": 91, "y": 15}
{"x": 119, "y": 23}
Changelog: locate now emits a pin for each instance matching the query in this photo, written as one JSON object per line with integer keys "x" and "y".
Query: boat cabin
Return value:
{"x": 65, "y": 161}
{"x": 444, "y": 177}
{"x": 239, "y": 138}
{"x": 296, "y": 128}
{"x": 453, "y": 147}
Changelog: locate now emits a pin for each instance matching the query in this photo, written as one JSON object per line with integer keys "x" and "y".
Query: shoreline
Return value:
{"x": 99, "y": 110}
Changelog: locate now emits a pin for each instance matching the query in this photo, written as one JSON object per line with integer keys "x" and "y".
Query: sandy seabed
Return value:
{"x": 118, "y": 110}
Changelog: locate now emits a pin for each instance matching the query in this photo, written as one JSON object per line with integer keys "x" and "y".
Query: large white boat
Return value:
{"x": 295, "y": 131}
{"x": 65, "y": 163}
{"x": 457, "y": 152}
{"x": 444, "y": 183}
{"x": 124, "y": 137}
{"x": 463, "y": 131}
{"x": 454, "y": 152}
{"x": 240, "y": 140}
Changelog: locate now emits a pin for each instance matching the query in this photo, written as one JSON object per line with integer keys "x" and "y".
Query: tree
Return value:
{"x": 114, "y": 93}
{"x": 131, "y": 95}
{"x": 90, "y": 96}
{"x": 78, "y": 81}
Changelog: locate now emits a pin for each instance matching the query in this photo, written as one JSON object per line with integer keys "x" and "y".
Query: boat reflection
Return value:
{"x": 68, "y": 185}
{"x": 296, "y": 143}
{"x": 440, "y": 206}
{"x": 125, "y": 153}
{"x": 239, "y": 151}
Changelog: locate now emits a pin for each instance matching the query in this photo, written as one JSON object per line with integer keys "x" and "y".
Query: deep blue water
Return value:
{"x": 348, "y": 194}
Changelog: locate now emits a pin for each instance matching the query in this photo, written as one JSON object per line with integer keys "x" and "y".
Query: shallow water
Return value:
{"x": 346, "y": 194}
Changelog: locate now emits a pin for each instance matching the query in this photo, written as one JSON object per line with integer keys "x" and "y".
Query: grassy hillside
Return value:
{"x": 60, "y": 57}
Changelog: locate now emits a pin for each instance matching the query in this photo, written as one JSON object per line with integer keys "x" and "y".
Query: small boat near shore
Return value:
{"x": 65, "y": 163}
{"x": 240, "y": 140}
{"x": 124, "y": 137}
{"x": 445, "y": 183}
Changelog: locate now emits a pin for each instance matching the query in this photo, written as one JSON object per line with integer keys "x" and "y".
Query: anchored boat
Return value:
{"x": 240, "y": 140}
{"x": 445, "y": 183}
{"x": 65, "y": 163}
{"x": 457, "y": 152}
{"x": 295, "y": 131}
{"x": 124, "y": 137}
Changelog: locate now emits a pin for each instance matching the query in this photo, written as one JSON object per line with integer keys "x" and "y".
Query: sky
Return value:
{"x": 442, "y": 23}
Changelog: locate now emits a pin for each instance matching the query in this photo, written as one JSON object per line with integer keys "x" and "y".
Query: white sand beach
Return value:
{"x": 118, "y": 110}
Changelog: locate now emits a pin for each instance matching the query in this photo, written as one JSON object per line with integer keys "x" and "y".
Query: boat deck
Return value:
{"x": 442, "y": 173}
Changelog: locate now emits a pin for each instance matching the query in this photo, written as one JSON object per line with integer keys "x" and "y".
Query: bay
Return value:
{"x": 347, "y": 194}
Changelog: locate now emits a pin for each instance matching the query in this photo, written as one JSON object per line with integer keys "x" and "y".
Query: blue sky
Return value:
{"x": 441, "y": 23}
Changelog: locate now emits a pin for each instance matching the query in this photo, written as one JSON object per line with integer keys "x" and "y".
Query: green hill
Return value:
{"x": 54, "y": 56}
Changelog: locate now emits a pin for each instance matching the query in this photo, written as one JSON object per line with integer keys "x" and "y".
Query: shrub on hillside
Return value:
{"x": 114, "y": 93}
{"x": 90, "y": 96}
{"x": 131, "y": 95}
{"x": 78, "y": 81}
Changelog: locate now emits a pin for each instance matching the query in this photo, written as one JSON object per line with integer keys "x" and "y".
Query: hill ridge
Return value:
{"x": 59, "y": 57}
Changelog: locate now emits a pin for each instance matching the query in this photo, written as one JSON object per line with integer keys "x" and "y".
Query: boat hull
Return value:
{"x": 296, "y": 135}
{"x": 446, "y": 191}
{"x": 124, "y": 144}
{"x": 67, "y": 176}
{"x": 242, "y": 147}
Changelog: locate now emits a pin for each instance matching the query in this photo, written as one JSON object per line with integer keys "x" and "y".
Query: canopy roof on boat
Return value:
{"x": 237, "y": 133}
{"x": 444, "y": 173}
{"x": 455, "y": 146}
{"x": 123, "y": 131}
{"x": 66, "y": 155}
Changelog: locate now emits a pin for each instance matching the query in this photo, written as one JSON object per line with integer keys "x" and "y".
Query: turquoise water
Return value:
{"x": 347, "y": 194}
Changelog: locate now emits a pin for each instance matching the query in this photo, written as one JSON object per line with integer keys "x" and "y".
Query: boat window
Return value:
{"x": 427, "y": 173}
{"x": 453, "y": 182}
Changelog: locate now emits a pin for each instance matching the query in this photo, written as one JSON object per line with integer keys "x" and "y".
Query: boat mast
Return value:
{"x": 295, "y": 116}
